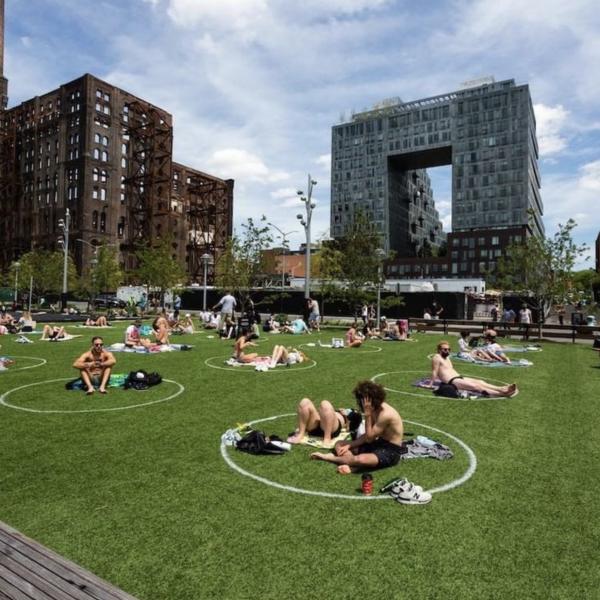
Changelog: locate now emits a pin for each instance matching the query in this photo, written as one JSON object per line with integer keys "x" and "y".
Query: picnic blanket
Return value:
{"x": 154, "y": 349}
{"x": 67, "y": 337}
{"x": 94, "y": 326}
{"x": 260, "y": 363}
{"x": 532, "y": 348}
{"x": 116, "y": 380}
{"x": 521, "y": 362}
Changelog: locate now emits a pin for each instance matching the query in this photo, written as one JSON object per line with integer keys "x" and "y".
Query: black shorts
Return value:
{"x": 318, "y": 432}
{"x": 387, "y": 454}
{"x": 451, "y": 382}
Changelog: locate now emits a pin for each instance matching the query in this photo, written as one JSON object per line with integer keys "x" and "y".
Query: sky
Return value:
{"x": 254, "y": 86}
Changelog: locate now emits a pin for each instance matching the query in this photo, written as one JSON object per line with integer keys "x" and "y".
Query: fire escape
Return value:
{"x": 148, "y": 179}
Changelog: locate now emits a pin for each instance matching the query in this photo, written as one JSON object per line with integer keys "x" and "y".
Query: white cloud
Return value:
{"x": 551, "y": 124}
{"x": 240, "y": 164}
{"x": 226, "y": 14}
{"x": 324, "y": 161}
{"x": 590, "y": 176}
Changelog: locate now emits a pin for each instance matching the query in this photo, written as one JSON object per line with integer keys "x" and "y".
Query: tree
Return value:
{"x": 108, "y": 275}
{"x": 541, "y": 268}
{"x": 46, "y": 268}
{"x": 242, "y": 265}
{"x": 157, "y": 267}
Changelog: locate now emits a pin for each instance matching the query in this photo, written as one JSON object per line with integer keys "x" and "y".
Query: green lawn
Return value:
{"x": 144, "y": 498}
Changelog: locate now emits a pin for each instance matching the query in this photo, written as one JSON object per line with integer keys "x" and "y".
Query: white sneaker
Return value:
{"x": 406, "y": 492}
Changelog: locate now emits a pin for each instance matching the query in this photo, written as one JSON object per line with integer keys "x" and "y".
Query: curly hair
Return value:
{"x": 369, "y": 389}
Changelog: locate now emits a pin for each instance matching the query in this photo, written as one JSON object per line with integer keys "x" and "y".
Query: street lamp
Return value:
{"x": 206, "y": 259}
{"x": 284, "y": 241}
{"x": 309, "y": 205}
{"x": 380, "y": 254}
{"x": 17, "y": 266}
{"x": 64, "y": 224}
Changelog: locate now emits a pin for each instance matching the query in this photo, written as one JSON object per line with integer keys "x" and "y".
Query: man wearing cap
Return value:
{"x": 326, "y": 422}
{"x": 133, "y": 338}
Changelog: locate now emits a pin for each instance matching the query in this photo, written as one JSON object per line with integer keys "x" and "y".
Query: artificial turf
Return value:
{"x": 144, "y": 498}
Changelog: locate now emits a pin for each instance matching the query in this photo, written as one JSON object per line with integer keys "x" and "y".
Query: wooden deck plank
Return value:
{"x": 26, "y": 556}
{"x": 18, "y": 589}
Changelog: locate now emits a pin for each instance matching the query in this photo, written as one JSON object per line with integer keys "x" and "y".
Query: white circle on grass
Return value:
{"x": 4, "y": 396}
{"x": 359, "y": 350}
{"x": 15, "y": 358}
{"x": 249, "y": 368}
{"x": 288, "y": 488}
{"x": 431, "y": 395}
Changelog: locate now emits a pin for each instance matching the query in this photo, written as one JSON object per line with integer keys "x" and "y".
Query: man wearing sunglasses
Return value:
{"x": 95, "y": 366}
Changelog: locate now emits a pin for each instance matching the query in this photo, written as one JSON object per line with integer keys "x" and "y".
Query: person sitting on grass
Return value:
{"x": 286, "y": 356}
{"x": 296, "y": 327}
{"x": 493, "y": 349}
{"x": 185, "y": 325}
{"x": 96, "y": 321}
{"x": 160, "y": 327}
{"x": 53, "y": 333}
{"x": 326, "y": 422}
{"x": 353, "y": 338}
{"x": 468, "y": 353}
{"x": 240, "y": 345}
{"x": 381, "y": 444}
{"x": 133, "y": 338}
{"x": 443, "y": 370}
{"x": 95, "y": 366}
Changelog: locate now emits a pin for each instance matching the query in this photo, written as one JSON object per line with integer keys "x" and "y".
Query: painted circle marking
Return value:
{"x": 245, "y": 369}
{"x": 360, "y": 350}
{"x": 432, "y": 396}
{"x": 288, "y": 488}
{"x": 4, "y": 402}
{"x": 40, "y": 364}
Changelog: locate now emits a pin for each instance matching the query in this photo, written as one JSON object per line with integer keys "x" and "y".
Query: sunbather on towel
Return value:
{"x": 442, "y": 369}
{"x": 286, "y": 356}
{"x": 493, "y": 349}
{"x": 466, "y": 352}
{"x": 381, "y": 444}
{"x": 96, "y": 321}
{"x": 53, "y": 333}
{"x": 326, "y": 422}
{"x": 95, "y": 366}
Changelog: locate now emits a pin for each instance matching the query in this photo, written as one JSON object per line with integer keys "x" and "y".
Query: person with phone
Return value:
{"x": 380, "y": 445}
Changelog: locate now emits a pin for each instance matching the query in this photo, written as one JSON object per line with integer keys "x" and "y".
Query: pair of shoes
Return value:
{"x": 405, "y": 492}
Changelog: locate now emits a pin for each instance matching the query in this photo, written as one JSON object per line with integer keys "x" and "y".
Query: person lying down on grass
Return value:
{"x": 380, "y": 445}
{"x": 324, "y": 422}
{"x": 442, "y": 369}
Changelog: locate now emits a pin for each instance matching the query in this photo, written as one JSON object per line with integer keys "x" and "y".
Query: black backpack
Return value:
{"x": 447, "y": 390}
{"x": 141, "y": 380}
{"x": 256, "y": 442}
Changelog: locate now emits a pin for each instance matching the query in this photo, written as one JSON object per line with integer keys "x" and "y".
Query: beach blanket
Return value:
{"x": 425, "y": 382}
{"x": 94, "y": 326}
{"x": 67, "y": 337}
{"x": 154, "y": 349}
{"x": 532, "y": 348}
{"x": 117, "y": 380}
{"x": 521, "y": 362}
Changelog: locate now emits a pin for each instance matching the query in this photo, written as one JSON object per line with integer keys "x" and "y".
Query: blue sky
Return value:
{"x": 255, "y": 86}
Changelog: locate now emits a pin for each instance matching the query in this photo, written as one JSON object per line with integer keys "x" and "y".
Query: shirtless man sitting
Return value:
{"x": 325, "y": 422}
{"x": 443, "y": 370}
{"x": 381, "y": 444}
{"x": 95, "y": 366}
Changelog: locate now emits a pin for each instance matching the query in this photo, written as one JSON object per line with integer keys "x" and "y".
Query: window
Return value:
{"x": 96, "y": 153}
{"x": 103, "y": 222}
{"x": 104, "y": 156}
{"x": 495, "y": 241}
{"x": 95, "y": 220}
{"x": 97, "y": 138}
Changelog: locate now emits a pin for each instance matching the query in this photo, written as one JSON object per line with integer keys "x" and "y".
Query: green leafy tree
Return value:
{"x": 157, "y": 268}
{"x": 541, "y": 268}
{"x": 242, "y": 265}
{"x": 46, "y": 268}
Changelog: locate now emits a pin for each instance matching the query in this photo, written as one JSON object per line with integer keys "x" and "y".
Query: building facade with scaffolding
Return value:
{"x": 107, "y": 156}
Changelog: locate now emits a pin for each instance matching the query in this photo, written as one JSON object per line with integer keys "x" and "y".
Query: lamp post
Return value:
{"x": 64, "y": 224}
{"x": 206, "y": 259}
{"x": 309, "y": 205}
{"x": 17, "y": 266}
{"x": 284, "y": 242}
{"x": 381, "y": 254}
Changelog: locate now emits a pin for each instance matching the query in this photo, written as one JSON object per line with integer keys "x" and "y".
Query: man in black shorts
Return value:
{"x": 380, "y": 445}
{"x": 326, "y": 422}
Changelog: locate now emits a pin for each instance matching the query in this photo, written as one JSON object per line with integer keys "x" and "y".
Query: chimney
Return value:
{"x": 3, "y": 80}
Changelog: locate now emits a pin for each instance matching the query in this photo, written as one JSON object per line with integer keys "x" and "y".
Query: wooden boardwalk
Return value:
{"x": 29, "y": 571}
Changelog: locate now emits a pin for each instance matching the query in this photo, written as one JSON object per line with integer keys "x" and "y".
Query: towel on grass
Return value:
{"x": 317, "y": 442}
{"x": 425, "y": 383}
{"x": 154, "y": 349}
{"x": 521, "y": 362}
{"x": 67, "y": 337}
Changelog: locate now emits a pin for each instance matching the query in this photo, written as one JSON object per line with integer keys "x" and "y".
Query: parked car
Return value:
{"x": 108, "y": 301}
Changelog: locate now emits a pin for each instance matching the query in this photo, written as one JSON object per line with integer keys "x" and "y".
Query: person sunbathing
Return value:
{"x": 353, "y": 338}
{"x": 296, "y": 327}
{"x": 238, "y": 350}
{"x": 325, "y": 422}
{"x": 380, "y": 445}
{"x": 133, "y": 338}
{"x": 53, "y": 333}
{"x": 443, "y": 370}
{"x": 494, "y": 350}
{"x": 286, "y": 356}
{"x": 467, "y": 353}
{"x": 97, "y": 321}
{"x": 185, "y": 325}
{"x": 95, "y": 366}
{"x": 160, "y": 327}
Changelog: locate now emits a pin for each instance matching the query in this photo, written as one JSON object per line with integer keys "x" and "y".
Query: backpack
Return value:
{"x": 256, "y": 442}
{"x": 447, "y": 390}
{"x": 141, "y": 380}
